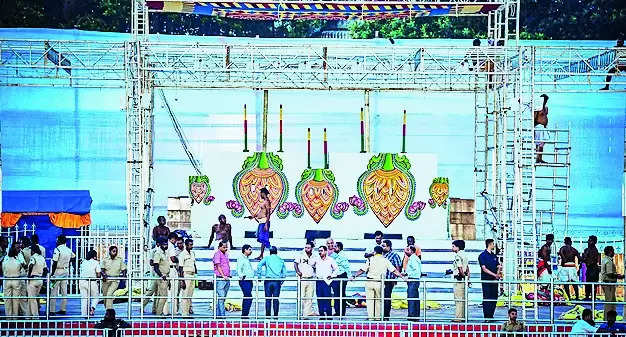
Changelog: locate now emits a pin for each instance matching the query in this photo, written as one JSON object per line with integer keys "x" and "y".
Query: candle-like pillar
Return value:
{"x": 280, "y": 135}
{"x": 404, "y": 132}
{"x": 325, "y": 150}
{"x": 308, "y": 148}
{"x": 245, "y": 129}
{"x": 362, "y": 133}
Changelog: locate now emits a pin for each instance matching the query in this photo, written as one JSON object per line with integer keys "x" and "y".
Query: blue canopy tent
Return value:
{"x": 51, "y": 212}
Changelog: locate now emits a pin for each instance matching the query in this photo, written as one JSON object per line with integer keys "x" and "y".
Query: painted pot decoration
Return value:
{"x": 317, "y": 192}
{"x": 387, "y": 186}
{"x": 439, "y": 190}
{"x": 199, "y": 190}
{"x": 262, "y": 169}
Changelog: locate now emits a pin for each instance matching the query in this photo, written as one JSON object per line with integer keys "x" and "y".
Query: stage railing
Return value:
{"x": 239, "y": 328}
{"x": 534, "y": 309}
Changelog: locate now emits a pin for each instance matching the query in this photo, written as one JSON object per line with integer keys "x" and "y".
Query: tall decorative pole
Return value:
{"x": 308, "y": 148}
{"x": 245, "y": 129}
{"x": 362, "y": 133}
{"x": 325, "y": 150}
{"x": 404, "y": 132}
{"x": 280, "y": 136}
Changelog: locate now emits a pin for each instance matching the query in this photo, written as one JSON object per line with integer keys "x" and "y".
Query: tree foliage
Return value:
{"x": 549, "y": 19}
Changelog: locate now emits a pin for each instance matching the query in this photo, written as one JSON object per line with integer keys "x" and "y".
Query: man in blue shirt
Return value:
{"x": 611, "y": 326}
{"x": 342, "y": 276}
{"x": 274, "y": 271}
{"x": 246, "y": 274}
{"x": 414, "y": 273}
{"x": 490, "y": 271}
{"x": 396, "y": 261}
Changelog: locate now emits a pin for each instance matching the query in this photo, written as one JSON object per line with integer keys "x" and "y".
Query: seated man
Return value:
{"x": 610, "y": 325}
{"x": 586, "y": 327}
{"x": 512, "y": 325}
{"x": 111, "y": 324}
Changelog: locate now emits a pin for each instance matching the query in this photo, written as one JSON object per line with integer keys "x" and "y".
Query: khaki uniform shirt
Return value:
{"x": 163, "y": 260}
{"x": 27, "y": 254}
{"x": 377, "y": 267}
{"x": 306, "y": 263}
{"x": 187, "y": 261}
{"x": 113, "y": 267}
{"x": 607, "y": 267}
{"x": 22, "y": 261}
{"x": 38, "y": 263}
{"x": 43, "y": 251}
{"x": 513, "y": 327}
{"x": 460, "y": 261}
{"x": 11, "y": 267}
{"x": 62, "y": 256}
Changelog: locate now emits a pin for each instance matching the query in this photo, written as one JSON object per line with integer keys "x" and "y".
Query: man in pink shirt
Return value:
{"x": 221, "y": 267}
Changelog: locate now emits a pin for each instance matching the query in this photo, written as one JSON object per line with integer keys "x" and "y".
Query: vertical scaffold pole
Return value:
{"x": 245, "y": 128}
{"x": 280, "y": 131}
{"x": 265, "y": 112}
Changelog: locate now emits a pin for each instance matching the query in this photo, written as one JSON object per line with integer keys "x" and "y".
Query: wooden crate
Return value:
{"x": 462, "y": 205}
{"x": 462, "y": 231}
{"x": 179, "y": 213}
{"x": 462, "y": 217}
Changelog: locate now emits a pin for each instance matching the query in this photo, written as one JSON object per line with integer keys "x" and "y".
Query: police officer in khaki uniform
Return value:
{"x": 61, "y": 259}
{"x": 152, "y": 288}
{"x": 23, "y": 301}
{"x": 188, "y": 271}
{"x": 460, "y": 272}
{"x": 111, "y": 266}
{"x": 172, "y": 294}
{"x": 376, "y": 268}
{"x": 36, "y": 270}
{"x": 161, "y": 264}
{"x": 12, "y": 267}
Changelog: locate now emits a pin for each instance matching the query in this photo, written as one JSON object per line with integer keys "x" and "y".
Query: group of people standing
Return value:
{"x": 23, "y": 267}
{"x": 323, "y": 272}
{"x": 173, "y": 267}
{"x": 597, "y": 269}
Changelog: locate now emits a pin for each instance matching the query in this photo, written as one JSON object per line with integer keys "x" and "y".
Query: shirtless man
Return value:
{"x": 263, "y": 218}
{"x": 541, "y": 119}
{"x": 544, "y": 268}
{"x": 568, "y": 271}
{"x": 221, "y": 231}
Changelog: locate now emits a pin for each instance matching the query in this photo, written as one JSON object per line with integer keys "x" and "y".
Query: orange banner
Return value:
{"x": 68, "y": 220}
{"x": 10, "y": 219}
{"x": 63, "y": 220}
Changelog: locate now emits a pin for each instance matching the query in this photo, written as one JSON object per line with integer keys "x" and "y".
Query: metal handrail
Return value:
{"x": 425, "y": 285}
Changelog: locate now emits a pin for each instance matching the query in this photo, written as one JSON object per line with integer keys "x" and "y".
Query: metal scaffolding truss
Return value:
{"x": 505, "y": 80}
{"x": 302, "y": 66}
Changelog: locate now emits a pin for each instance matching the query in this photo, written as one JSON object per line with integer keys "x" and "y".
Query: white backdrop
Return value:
{"x": 347, "y": 167}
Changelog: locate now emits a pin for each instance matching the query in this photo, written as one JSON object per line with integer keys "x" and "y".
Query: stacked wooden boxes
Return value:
{"x": 462, "y": 223}
{"x": 179, "y": 213}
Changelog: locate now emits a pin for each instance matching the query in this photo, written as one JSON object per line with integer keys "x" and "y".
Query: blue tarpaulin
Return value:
{"x": 56, "y": 201}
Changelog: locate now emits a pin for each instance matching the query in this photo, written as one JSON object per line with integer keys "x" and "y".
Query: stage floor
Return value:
{"x": 203, "y": 310}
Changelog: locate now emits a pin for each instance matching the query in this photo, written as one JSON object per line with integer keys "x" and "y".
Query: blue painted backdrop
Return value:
{"x": 64, "y": 138}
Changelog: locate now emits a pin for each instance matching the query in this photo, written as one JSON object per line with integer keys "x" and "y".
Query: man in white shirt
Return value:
{"x": 172, "y": 294}
{"x": 245, "y": 274}
{"x": 61, "y": 259}
{"x": 187, "y": 271}
{"x": 304, "y": 268}
{"x": 585, "y": 326}
{"x": 325, "y": 270}
{"x": 90, "y": 271}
